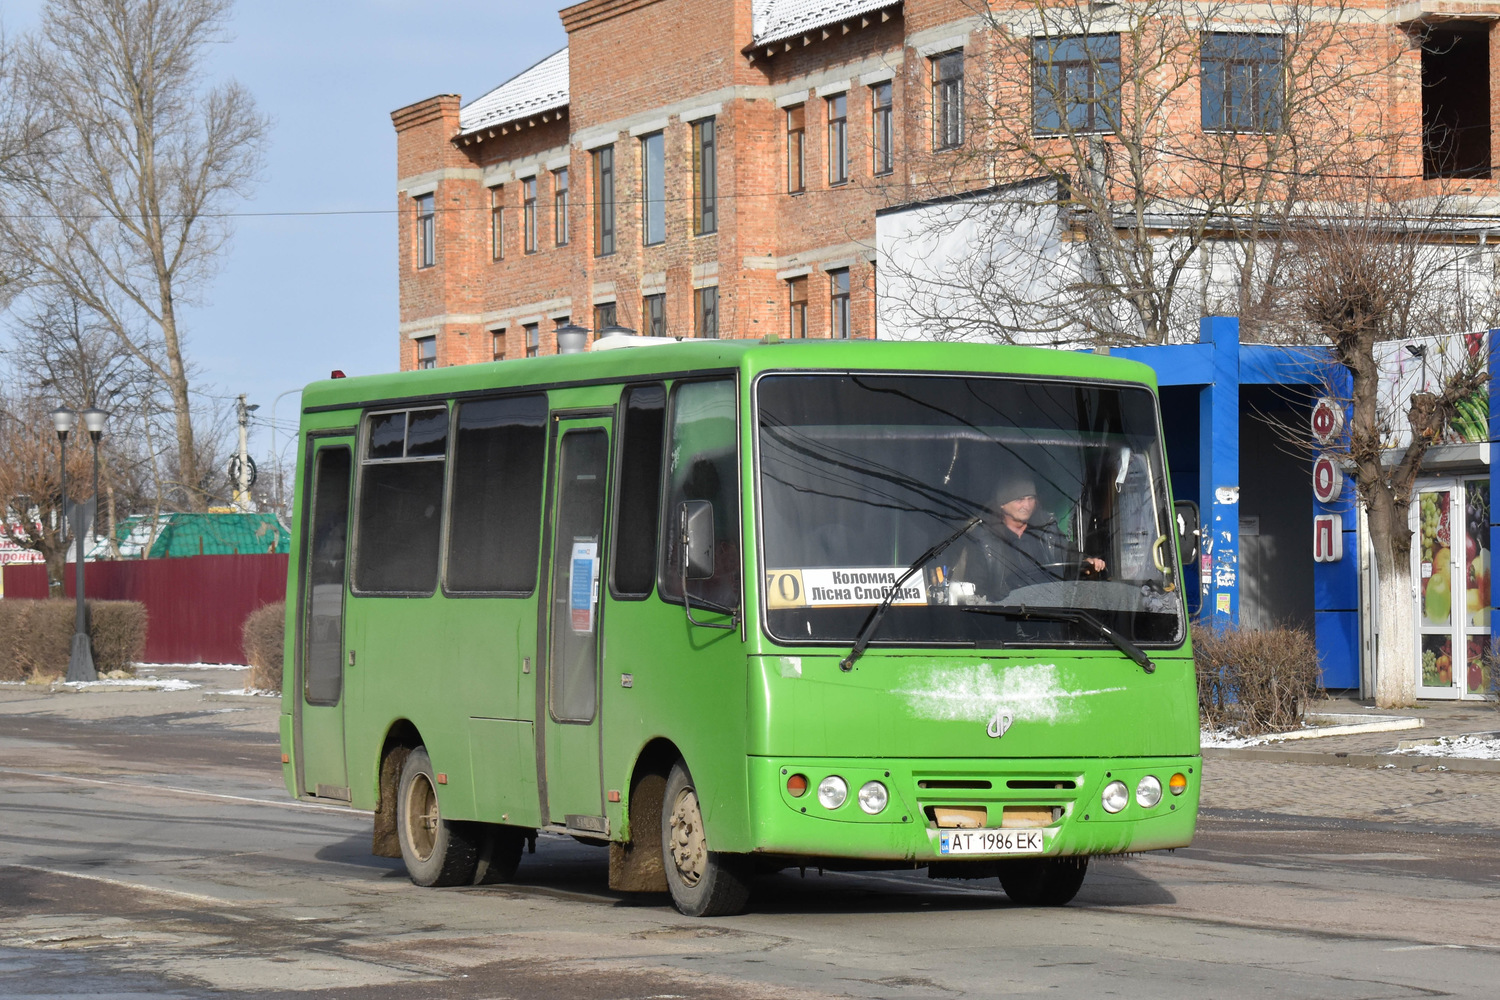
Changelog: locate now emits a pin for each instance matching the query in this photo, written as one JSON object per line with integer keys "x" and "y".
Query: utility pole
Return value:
{"x": 243, "y": 472}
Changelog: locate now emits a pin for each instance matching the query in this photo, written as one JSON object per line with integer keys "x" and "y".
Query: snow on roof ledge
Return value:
{"x": 775, "y": 20}
{"x": 532, "y": 91}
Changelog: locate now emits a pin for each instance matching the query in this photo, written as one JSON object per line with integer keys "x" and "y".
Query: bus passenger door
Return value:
{"x": 568, "y": 696}
{"x": 320, "y": 647}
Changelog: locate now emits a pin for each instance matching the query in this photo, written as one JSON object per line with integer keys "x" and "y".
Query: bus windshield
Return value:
{"x": 1062, "y": 485}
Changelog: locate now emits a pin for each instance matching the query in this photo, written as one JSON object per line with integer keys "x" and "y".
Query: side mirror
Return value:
{"x": 695, "y": 519}
{"x": 1188, "y": 530}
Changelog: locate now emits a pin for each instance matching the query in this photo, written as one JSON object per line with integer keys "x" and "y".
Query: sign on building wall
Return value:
{"x": 1328, "y": 537}
{"x": 1327, "y": 420}
{"x": 1328, "y": 479}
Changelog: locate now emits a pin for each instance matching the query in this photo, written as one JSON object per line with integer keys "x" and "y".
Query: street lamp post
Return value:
{"x": 276, "y": 455}
{"x": 95, "y": 419}
{"x": 81, "y": 663}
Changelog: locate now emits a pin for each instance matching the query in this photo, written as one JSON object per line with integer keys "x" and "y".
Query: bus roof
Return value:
{"x": 751, "y": 356}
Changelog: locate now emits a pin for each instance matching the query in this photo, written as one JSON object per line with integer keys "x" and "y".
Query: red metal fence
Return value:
{"x": 196, "y": 606}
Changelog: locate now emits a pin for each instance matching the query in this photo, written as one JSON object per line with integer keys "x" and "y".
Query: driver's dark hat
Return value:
{"x": 1014, "y": 486}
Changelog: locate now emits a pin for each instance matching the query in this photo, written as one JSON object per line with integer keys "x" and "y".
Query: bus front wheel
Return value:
{"x": 436, "y": 851}
{"x": 1043, "y": 881}
{"x": 703, "y": 883}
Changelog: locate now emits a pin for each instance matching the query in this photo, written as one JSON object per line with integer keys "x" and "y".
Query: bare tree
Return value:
{"x": 1378, "y": 262}
{"x": 126, "y": 196}
{"x": 31, "y": 499}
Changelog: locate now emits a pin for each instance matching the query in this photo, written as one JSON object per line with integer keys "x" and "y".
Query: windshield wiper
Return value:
{"x": 1074, "y": 615}
{"x": 868, "y": 629}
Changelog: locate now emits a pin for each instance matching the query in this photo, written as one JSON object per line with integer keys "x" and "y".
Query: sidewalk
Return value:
{"x": 1377, "y": 750}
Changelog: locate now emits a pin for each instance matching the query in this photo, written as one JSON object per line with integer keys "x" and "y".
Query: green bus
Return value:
{"x": 729, "y": 607}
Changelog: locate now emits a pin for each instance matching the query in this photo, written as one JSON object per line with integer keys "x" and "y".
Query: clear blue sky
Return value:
{"x": 301, "y": 295}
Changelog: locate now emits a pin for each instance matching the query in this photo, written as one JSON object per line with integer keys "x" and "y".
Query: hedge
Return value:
{"x": 265, "y": 631}
{"x": 1254, "y": 680}
{"x": 36, "y": 637}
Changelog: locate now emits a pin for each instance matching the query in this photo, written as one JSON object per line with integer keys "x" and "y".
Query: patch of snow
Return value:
{"x": 975, "y": 694}
{"x": 148, "y": 684}
{"x": 1468, "y": 747}
{"x": 191, "y": 666}
{"x": 1228, "y": 739}
{"x": 247, "y": 693}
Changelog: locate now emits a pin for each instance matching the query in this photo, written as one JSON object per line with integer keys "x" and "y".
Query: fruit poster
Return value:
{"x": 1422, "y": 364}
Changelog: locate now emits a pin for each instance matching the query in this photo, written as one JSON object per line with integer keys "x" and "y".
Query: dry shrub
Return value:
{"x": 265, "y": 633}
{"x": 118, "y": 629}
{"x": 1254, "y": 681}
{"x": 36, "y": 637}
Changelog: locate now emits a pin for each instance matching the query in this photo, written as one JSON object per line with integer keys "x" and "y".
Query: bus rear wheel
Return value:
{"x": 436, "y": 851}
{"x": 703, "y": 883}
{"x": 1043, "y": 881}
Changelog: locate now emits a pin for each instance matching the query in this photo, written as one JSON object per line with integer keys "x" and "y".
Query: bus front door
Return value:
{"x": 320, "y": 649}
{"x": 568, "y": 696}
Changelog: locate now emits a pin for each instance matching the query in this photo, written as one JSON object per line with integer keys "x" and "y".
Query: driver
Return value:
{"x": 1016, "y": 547}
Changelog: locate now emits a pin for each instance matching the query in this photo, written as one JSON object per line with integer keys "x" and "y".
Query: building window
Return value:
{"x": 797, "y": 295}
{"x": 560, "y": 205}
{"x": 706, "y": 312}
{"x": 1242, "y": 82}
{"x": 604, "y": 201}
{"x": 497, "y": 345}
{"x": 604, "y": 315}
{"x": 796, "y": 125}
{"x": 838, "y": 305}
{"x": 533, "y": 339}
{"x": 426, "y": 232}
{"x": 1457, "y": 108}
{"x": 705, "y": 186}
{"x": 654, "y": 311}
{"x": 426, "y": 352}
{"x": 528, "y": 214}
{"x": 653, "y": 189}
{"x": 881, "y": 128}
{"x": 497, "y": 223}
{"x": 838, "y": 138}
{"x": 948, "y": 100}
{"x": 1076, "y": 83}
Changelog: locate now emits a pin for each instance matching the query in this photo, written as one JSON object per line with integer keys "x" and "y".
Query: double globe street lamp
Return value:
{"x": 81, "y": 663}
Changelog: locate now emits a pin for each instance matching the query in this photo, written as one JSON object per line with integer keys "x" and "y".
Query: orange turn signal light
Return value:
{"x": 1178, "y": 784}
{"x": 796, "y": 786}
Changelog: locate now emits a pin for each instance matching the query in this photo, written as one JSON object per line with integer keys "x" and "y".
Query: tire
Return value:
{"x": 702, "y": 883}
{"x": 1043, "y": 881}
{"x": 500, "y": 850}
{"x": 436, "y": 851}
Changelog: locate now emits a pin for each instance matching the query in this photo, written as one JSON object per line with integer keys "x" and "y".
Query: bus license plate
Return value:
{"x": 990, "y": 842}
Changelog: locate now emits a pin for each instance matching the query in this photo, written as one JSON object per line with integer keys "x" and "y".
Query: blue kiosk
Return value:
{"x": 1226, "y": 407}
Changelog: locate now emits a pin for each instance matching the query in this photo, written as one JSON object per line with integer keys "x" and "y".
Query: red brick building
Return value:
{"x": 733, "y": 192}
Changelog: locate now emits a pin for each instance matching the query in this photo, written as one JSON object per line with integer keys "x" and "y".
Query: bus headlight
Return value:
{"x": 1147, "y": 792}
{"x": 832, "y": 791}
{"x": 1115, "y": 797}
{"x": 873, "y": 797}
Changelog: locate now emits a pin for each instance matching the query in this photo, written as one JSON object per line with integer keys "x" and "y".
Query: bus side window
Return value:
{"x": 323, "y": 669}
{"x": 494, "y": 518}
{"x": 397, "y": 540}
{"x": 703, "y": 465}
{"x": 638, "y": 504}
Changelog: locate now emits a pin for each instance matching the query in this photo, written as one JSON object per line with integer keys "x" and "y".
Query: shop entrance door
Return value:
{"x": 1451, "y": 566}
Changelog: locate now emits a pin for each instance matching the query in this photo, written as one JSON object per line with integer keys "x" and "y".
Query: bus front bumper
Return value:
{"x": 949, "y": 809}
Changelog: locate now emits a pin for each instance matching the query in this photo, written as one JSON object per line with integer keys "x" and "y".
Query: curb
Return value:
{"x": 1374, "y": 761}
{"x": 1349, "y": 725}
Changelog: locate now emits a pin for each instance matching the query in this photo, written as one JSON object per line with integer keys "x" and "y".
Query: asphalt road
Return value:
{"x": 147, "y": 848}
